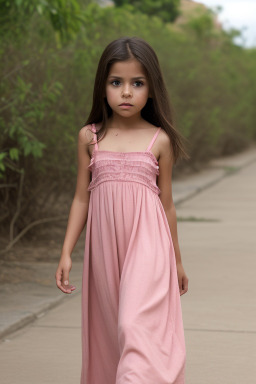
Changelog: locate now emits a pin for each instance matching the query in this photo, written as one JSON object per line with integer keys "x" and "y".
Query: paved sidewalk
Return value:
{"x": 219, "y": 249}
{"x": 217, "y": 238}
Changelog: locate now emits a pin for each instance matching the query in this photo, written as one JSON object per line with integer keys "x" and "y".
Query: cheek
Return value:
{"x": 110, "y": 94}
{"x": 144, "y": 95}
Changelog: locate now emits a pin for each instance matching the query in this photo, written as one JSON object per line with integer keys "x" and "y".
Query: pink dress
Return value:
{"x": 132, "y": 328}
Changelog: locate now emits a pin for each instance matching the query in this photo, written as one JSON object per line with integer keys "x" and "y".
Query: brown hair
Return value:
{"x": 157, "y": 111}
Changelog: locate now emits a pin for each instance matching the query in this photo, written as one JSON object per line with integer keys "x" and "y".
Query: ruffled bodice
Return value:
{"x": 139, "y": 167}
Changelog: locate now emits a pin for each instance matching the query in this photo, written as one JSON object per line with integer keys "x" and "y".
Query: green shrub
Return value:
{"x": 47, "y": 83}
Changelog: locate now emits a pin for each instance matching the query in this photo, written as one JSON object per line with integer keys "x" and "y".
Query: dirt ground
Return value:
{"x": 43, "y": 246}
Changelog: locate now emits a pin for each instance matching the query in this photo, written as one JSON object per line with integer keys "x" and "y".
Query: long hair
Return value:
{"x": 157, "y": 111}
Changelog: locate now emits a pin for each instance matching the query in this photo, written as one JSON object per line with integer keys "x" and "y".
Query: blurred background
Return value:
{"x": 49, "y": 54}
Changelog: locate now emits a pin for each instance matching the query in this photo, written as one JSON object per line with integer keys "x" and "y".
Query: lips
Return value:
{"x": 126, "y": 104}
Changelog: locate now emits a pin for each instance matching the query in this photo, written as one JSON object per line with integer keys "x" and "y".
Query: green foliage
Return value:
{"x": 201, "y": 25}
{"x": 25, "y": 109}
{"x": 2, "y": 165}
{"x": 63, "y": 15}
{"x": 167, "y": 10}
{"x": 48, "y": 65}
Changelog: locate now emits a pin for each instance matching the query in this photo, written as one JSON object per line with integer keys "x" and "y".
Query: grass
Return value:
{"x": 197, "y": 219}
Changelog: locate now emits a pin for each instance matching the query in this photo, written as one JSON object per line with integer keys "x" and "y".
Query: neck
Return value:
{"x": 124, "y": 123}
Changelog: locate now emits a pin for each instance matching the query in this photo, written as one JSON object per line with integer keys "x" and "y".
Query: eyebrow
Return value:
{"x": 134, "y": 78}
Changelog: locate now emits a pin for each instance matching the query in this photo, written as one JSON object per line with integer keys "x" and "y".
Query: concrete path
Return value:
{"x": 218, "y": 242}
{"x": 220, "y": 259}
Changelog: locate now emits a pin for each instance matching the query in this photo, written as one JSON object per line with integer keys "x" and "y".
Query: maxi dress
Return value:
{"x": 132, "y": 327}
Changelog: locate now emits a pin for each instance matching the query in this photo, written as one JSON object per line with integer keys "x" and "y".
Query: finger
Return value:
{"x": 184, "y": 285}
{"x": 64, "y": 288}
{"x": 58, "y": 278}
{"x": 61, "y": 287}
{"x": 69, "y": 287}
{"x": 65, "y": 282}
{"x": 65, "y": 278}
{"x": 180, "y": 284}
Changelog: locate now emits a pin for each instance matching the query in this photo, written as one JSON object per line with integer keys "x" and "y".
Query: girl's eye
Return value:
{"x": 138, "y": 82}
{"x": 115, "y": 81}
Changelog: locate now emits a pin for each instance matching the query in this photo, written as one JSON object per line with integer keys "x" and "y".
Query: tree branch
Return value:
{"x": 28, "y": 227}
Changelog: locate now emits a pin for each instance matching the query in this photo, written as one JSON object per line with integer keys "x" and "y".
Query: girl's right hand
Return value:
{"x": 62, "y": 275}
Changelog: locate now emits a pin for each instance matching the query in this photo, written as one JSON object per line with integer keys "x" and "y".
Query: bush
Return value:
{"x": 47, "y": 84}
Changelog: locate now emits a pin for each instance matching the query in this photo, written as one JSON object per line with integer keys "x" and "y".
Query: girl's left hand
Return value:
{"x": 182, "y": 279}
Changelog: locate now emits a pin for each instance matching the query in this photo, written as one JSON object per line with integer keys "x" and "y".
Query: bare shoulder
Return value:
{"x": 85, "y": 138}
{"x": 164, "y": 139}
{"x": 164, "y": 144}
{"x": 85, "y": 134}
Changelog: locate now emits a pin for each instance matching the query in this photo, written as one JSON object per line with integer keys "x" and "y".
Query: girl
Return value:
{"x": 132, "y": 328}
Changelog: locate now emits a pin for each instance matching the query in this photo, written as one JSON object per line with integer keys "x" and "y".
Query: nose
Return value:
{"x": 126, "y": 91}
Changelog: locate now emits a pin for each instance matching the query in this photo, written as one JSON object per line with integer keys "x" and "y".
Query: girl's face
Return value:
{"x": 127, "y": 83}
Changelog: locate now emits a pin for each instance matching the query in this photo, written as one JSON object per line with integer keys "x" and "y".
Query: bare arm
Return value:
{"x": 78, "y": 212}
{"x": 165, "y": 185}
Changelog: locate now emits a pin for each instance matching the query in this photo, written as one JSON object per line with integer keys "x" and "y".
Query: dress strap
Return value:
{"x": 95, "y": 136}
{"x": 153, "y": 140}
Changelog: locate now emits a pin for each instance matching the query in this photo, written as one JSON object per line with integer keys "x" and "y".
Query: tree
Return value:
{"x": 167, "y": 10}
{"x": 63, "y": 15}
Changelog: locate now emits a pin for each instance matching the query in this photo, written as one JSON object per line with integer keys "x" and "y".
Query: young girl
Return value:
{"x": 132, "y": 328}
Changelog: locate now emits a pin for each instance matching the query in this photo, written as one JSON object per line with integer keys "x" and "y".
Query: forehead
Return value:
{"x": 131, "y": 67}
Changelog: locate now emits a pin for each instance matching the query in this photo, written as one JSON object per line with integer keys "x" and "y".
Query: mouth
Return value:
{"x": 125, "y": 104}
